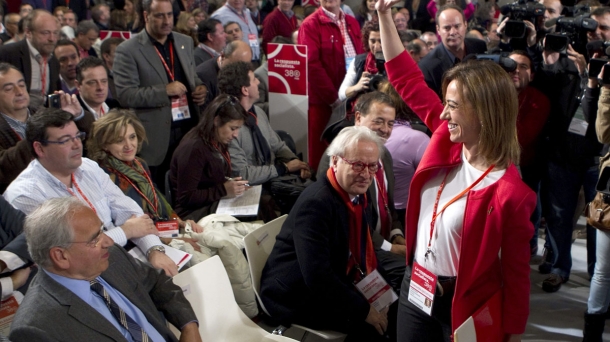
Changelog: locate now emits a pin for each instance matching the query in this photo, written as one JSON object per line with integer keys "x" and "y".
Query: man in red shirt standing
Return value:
{"x": 333, "y": 40}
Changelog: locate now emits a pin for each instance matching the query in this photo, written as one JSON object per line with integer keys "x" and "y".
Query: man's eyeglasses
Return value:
{"x": 95, "y": 241}
{"x": 229, "y": 100}
{"x": 79, "y": 136}
{"x": 359, "y": 166}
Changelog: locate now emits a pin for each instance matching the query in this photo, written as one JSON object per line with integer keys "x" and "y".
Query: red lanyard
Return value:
{"x": 243, "y": 17}
{"x": 155, "y": 198}
{"x": 225, "y": 155}
{"x": 171, "y": 58}
{"x": 81, "y": 194}
{"x": 102, "y": 112}
{"x": 382, "y": 191}
{"x": 451, "y": 201}
{"x": 43, "y": 75}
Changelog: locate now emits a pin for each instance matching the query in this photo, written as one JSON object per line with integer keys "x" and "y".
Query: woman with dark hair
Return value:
{"x": 364, "y": 65}
{"x": 467, "y": 227}
{"x": 115, "y": 140}
{"x": 366, "y": 12}
{"x": 200, "y": 173}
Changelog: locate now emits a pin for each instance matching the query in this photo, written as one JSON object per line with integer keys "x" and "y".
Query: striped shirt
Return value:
{"x": 35, "y": 185}
{"x": 16, "y": 125}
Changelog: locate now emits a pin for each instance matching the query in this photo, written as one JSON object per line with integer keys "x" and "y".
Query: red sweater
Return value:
{"x": 496, "y": 217}
{"x": 326, "y": 59}
{"x": 534, "y": 109}
{"x": 277, "y": 24}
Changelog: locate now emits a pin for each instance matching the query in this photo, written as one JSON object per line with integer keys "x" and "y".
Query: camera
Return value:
{"x": 570, "y": 30}
{"x": 518, "y": 12}
{"x": 380, "y": 76}
{"x": 53, "y": 101}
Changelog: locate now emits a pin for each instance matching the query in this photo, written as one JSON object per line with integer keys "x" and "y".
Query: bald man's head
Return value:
{"x": 237, "y": 50}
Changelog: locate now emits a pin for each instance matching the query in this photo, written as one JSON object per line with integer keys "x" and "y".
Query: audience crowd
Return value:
{"x": 441, "y": 136}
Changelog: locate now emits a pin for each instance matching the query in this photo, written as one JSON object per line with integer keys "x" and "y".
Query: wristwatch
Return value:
{"x": 158, "y": 248}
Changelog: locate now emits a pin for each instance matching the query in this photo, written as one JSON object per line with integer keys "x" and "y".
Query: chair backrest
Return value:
{"x": 207, "y": 287}
{"x": 259, "y": 244}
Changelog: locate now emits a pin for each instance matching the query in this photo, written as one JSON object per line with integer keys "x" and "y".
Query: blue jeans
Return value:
{"x": 560, "y": 199}
{"x": 599, "y": 295}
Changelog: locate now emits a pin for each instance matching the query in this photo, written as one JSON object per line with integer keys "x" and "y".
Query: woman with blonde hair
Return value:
{"x": 187, "y": 25}
{"x": 467, "y": 226}
{"x": 115, "y": 140}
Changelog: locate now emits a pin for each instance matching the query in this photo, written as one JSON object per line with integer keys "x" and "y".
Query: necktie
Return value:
{"x": 382, "y": 203}
{"x": 137, "y": 333}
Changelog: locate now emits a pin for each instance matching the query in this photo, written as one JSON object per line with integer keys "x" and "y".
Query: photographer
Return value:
{"x": 572, "y": 151}
{"x": 509, "y": 44}
{"x": 363, "y": 66}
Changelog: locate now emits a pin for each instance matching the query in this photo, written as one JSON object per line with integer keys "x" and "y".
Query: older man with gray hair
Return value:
{"x": 89, "y": 288}
{"x": 325, "y": 246}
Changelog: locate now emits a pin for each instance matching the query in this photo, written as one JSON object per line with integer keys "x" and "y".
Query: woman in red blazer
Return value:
{"x": 468, "y": 212}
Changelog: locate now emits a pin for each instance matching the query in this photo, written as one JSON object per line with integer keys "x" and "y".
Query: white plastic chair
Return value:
{"x": 207, "y": 287}
{"x": 259, "y": 244}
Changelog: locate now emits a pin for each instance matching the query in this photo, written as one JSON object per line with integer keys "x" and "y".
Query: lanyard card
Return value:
{"x": 180, "y": 108}
{"x": 578, "y": 125}
{"x": 253, "y": 41}
{"x": 422, "y": 288}
{"x": 167, "y": 229}
{"x": 377, "y": 291}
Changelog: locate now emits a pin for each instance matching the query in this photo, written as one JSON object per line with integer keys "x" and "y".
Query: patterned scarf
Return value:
{"x": 135, "y": 173}
{"x": 360, "y": 242}
{"x": 369, "y": 64}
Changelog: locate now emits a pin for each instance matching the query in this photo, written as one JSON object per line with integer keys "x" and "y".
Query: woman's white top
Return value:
{"x": 448, "y": 229}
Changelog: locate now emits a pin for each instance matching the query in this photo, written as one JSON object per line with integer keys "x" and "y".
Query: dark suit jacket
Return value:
{"x": 434, "y": 65}
{"x": 140, "y": 80}
{"x": 208, "y": 74}
{"x": 304, "y": 280}
{"x": 18, "y": 54}
{"x": 111, "y": 103}
{"x": 51, "y": 312}
{"x": 201, "y": 56}
{"x": 388, "y": 167}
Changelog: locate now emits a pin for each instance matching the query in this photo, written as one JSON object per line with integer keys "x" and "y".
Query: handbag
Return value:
{"x": 597, "y": 212}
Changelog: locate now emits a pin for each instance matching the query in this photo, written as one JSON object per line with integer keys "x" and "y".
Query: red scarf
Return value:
{"x": 369, "y": 64}
{"x": 362, "y": 251}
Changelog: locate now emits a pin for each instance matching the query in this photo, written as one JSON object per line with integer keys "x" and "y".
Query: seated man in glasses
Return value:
{"x": 15, "y": 110}
{"x": 91, "y": 289}
{"x": 325, "y": 246}
{"x": 59, "y": 170}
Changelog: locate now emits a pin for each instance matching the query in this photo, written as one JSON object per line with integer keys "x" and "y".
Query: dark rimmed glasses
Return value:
{"x": 359, "y": 166}
{"x": 79, "y": 136}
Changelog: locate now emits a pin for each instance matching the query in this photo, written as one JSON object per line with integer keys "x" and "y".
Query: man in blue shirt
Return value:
{"x": 91, "y": 289}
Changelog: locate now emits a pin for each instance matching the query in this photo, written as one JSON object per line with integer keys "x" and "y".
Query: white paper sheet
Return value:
{"x": 244, "y": 205}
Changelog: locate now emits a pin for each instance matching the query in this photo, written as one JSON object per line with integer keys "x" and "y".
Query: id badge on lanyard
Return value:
{"x": 253, "y": 41}
{"x": 180, "y": 108}
{"x": 376, "y": 291}
{"x": 168, "y": 229}
{"x": 422, "y": 288}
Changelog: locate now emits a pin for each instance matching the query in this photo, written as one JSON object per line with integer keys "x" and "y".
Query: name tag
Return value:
{"x": 180, "y": 108}
{"x": 422, "y": 288}
{"x": 377, "y": 291}
{"x": 253, "y": 41}
{"x": 578, "y": 125}
{"x": 168, "y": 229}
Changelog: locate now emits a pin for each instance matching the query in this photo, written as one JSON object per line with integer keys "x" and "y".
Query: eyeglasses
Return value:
{"x": 229, "y": 100}
{"x": 79, "y": 136}
{"x": 359, "y": 166}
{"x": 95, "y": 241}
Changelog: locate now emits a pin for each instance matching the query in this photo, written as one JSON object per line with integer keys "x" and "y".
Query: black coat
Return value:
{"x": 304, "y": 280}
{"x": 434, "y": 65}
{"x": 18, "y": 54}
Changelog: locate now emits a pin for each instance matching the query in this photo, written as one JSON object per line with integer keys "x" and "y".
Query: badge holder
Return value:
{"x": 376, "y": 290}
{"x": 168, "y": 228}
{"x": 422, "y": 288}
